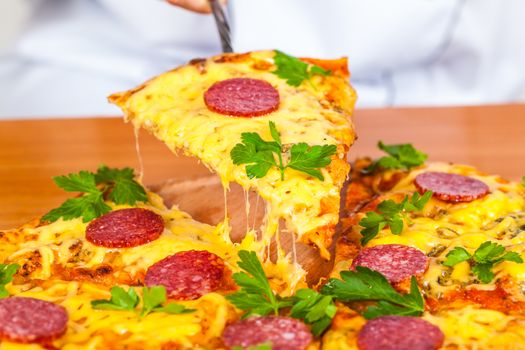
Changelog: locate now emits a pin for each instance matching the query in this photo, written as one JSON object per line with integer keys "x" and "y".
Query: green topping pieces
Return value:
{"x": 318, "y": 309}
{"x": 7, "y": 271}
{"x": 392, "y": 214}
{"x": 260, "y": 155}
{"x": 117, "y": 185}
{"x": 152, "y": 301}
{"x": 295, "y": 71}
{"x": 265, "y": 346}
{"x": 314, "y": 308}
{"x": 257, "y": 298}
{"x": 402, "y": 156}
{"x": 255, "y": 295}
{"x": 364, "y": 284}
{"x": 483, "y": 260}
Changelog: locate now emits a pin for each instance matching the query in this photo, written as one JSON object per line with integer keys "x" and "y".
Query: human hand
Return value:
{"x": 200, "y": 6}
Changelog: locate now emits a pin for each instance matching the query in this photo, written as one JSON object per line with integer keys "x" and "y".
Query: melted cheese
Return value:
{"x": 172, "y": 107}
{"x": 107, "y": 329}
{"x": 497, "y": 217}
{"x": 441, "y": 227}
{"x": 474, "y": 328}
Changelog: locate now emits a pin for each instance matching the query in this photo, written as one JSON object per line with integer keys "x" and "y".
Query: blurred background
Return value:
{"x": 63, "y": 57}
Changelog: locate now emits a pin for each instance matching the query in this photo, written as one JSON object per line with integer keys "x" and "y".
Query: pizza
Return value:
{"x": 231, "y": 111}
{"x": 463, "y": 248}
{"x": 430, "y": 255}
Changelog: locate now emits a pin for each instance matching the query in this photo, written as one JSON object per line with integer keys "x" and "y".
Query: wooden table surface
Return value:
{"x": 31, "y": 152}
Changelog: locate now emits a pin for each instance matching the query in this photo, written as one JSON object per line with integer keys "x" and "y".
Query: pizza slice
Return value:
{"x": 447, "y": 241}
{"x": 268, "y": 121}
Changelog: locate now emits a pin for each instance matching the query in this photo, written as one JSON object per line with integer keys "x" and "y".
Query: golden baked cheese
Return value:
{"x": 317, "y": 112}
{"x": 90, "y": 328}
{"x": 470, "y": 313}
{"x": 60, "y": 250}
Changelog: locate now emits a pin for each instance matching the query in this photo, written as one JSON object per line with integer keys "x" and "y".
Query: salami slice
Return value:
{"x": 283, "y": 333}
{"x": 125, "y": 228}
{"x": 399, "y": 333}
{"x": 187, "y": 275}
{"x": 29, "y": 320}
{"x": 394, "y": 261}
{"x": 242, "y": 97}
{"x": 451, "y": 187}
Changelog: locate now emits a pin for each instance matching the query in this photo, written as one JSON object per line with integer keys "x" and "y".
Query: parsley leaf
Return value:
{"x": 365, "y": 284}
{"x": 118, "y": 185}
{"x": 295, "y": 71}
{"x": 392, "y": 214}
{"x": 483, "y": 260}
{"x": 316, "y": 309}
{"x": 123, "y": 188}
{"x": 265, "y": 346}
{"x": 120, "y": 300}
{"x": 523, "y": 181}
{"x": 308, "y": 159}
{"x": 256, "y": 153}
{"x": 255, "y": 296}
{"x": 401, "y": 156}
{"x": 152, "y": 300}
{"x": 260, "y": 155}
{"x": 7, "y": 271}
{"x": 456, "y": 256}
{"x": 84, "y": 181}
{"x": 154, "y": 297}
{"x": 88, "y": 207}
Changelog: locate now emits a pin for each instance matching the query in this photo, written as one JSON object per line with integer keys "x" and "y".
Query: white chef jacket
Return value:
{"x": 74, "y": 53}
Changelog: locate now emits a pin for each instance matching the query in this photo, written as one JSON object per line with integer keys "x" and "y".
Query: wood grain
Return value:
{"x": 31, "y": 152}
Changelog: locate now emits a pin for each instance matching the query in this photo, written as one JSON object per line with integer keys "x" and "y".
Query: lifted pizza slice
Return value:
{"x": 268, "y": 121}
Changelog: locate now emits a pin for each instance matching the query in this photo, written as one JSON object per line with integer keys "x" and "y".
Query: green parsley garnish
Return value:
{"x": 152, "y": 300}
{"x": 117, "y": 185}
{"x": 392, "y": 214}
{"x": 265, "y": 346}
{"x": 257, "y": 298}
{"x": 483, "y": 260}
{"x": 295, "y": 71}
{"x": 260, "y": 155}
{"x": 523, "y": 181}
{"x": 402, "y": 156}
{"x": 120, "y": 300}
{"x": 365, "y": 284}
{"x": 314, "y": 308}
{"x": 7, "y": 271}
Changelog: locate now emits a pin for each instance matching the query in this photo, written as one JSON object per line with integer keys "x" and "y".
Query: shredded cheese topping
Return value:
{"x": 497, "y": 217}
